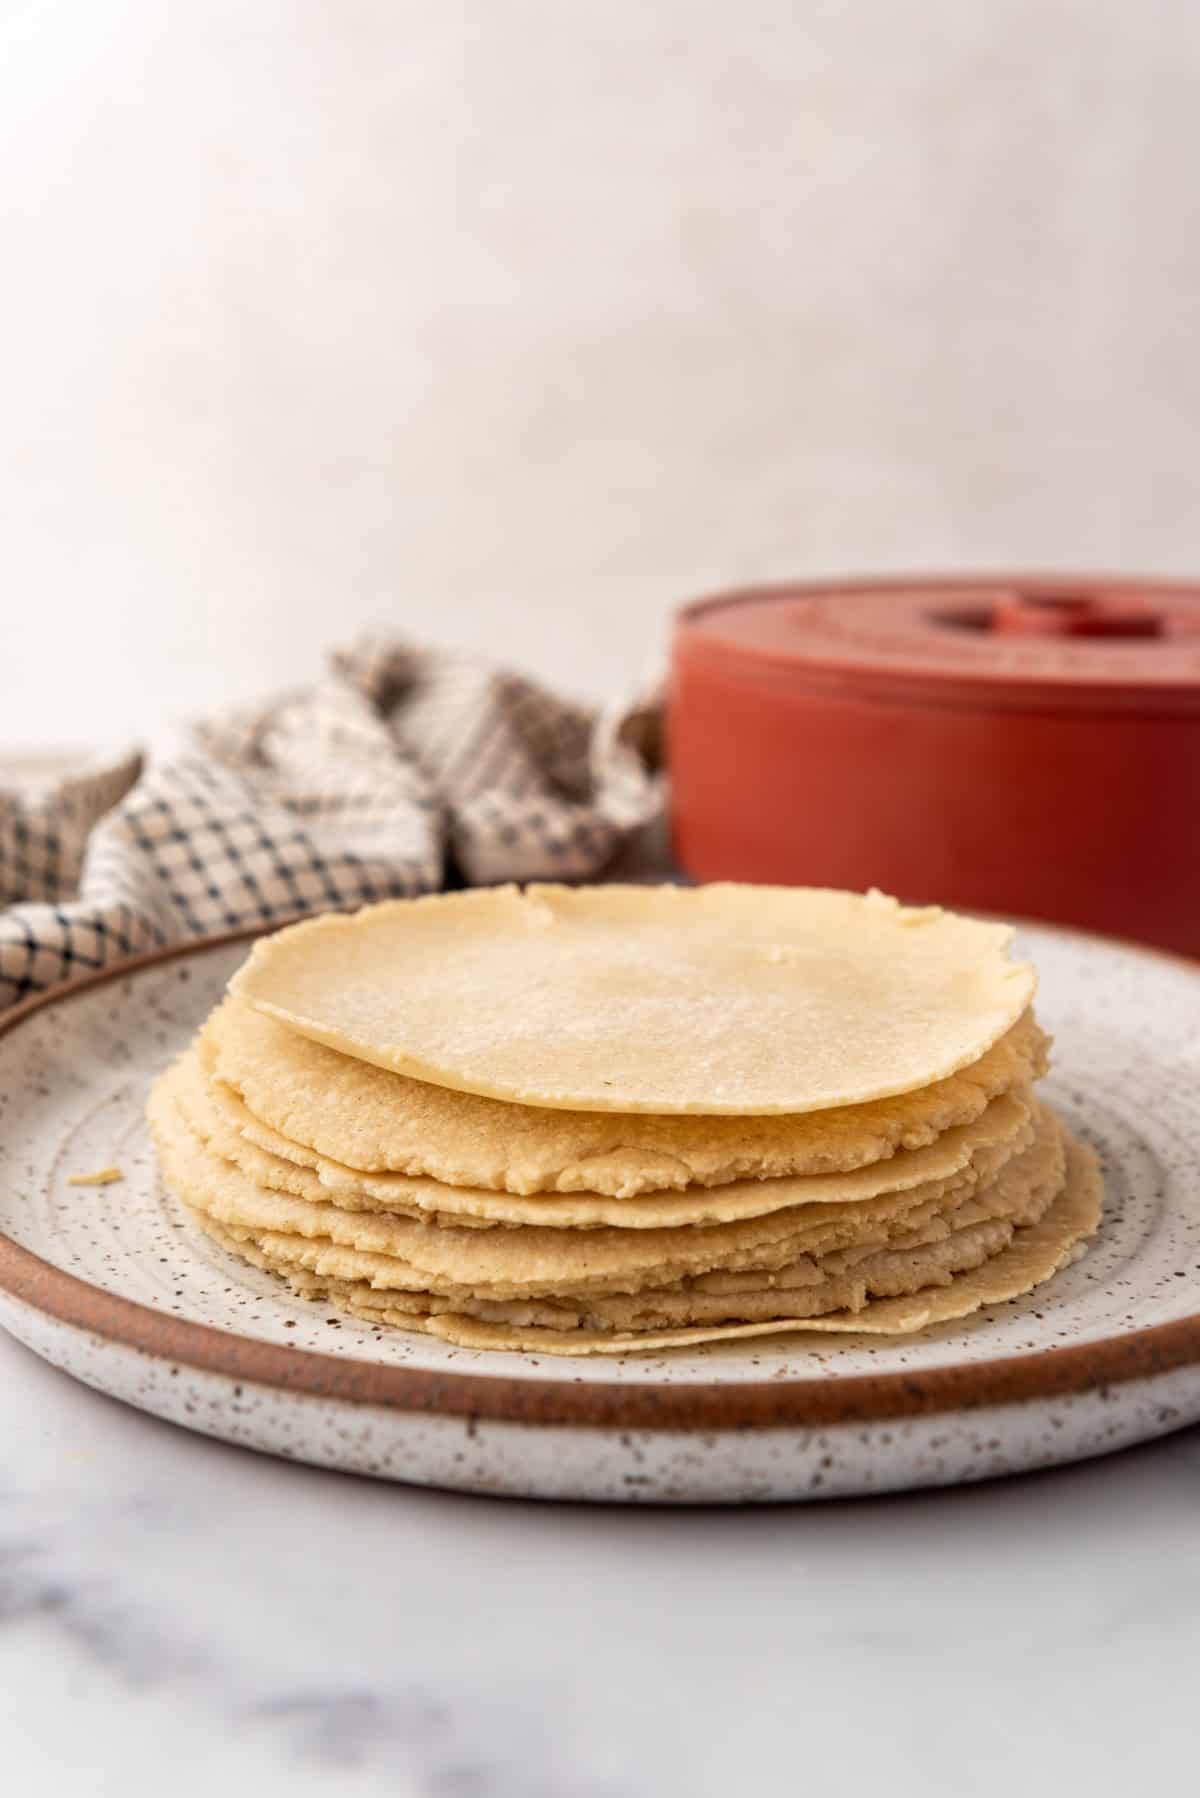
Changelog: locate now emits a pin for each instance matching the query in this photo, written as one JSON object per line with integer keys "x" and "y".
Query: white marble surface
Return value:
{"x": 178, "y": 1616}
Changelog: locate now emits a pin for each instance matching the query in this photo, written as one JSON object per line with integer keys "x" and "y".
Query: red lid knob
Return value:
{"x": 1050, "y": 614}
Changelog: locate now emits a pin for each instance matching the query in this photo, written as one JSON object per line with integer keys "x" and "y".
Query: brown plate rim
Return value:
{"x": 761, "y": 1404}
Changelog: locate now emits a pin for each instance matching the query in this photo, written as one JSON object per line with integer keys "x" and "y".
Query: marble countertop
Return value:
{"x": 183, "y": 1617}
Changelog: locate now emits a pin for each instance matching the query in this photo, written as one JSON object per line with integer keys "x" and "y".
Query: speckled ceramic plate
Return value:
{"x": 117, "y": 1286}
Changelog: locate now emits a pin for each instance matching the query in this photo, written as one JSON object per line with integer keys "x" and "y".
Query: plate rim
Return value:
{"x": 1045, "y": 1374}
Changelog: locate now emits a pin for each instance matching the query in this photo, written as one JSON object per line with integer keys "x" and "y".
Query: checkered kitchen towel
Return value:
{"x": 403, "y": 769}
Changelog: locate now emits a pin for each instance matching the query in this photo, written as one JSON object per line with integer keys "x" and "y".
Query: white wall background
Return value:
{"x": 514, "y": 322}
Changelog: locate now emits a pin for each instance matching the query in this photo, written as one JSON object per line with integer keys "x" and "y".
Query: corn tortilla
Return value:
{"x": 359, "y": 1117}
{"x": 713, "y": 1000}
{"x": 536, "y": 1259}
{"x": 221, "y": 1120}
{"x": 1033, "y": 1255}
{"x": 530, "y": 1262}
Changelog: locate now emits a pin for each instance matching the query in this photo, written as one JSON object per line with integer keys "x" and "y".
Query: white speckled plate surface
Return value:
{"x": 114, "y": 1284}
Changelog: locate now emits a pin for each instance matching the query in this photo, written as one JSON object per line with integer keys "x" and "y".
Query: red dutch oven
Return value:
{"x": 1028, "y": 745}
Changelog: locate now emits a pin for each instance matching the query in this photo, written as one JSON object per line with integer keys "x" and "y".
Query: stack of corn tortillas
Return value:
{"x": 611, "y": 1119}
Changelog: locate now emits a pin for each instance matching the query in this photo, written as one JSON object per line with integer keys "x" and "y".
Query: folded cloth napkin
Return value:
{"x": 403, "y": 770}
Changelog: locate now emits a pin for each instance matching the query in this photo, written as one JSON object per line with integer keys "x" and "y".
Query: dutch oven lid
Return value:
{"x": 1085, "y": 642}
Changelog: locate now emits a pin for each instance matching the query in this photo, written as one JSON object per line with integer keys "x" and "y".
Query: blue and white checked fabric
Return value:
{"x": 402, "y": 770}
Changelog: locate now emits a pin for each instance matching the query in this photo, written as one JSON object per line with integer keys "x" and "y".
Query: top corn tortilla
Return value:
{"x": 367, "y": 1120}
{"x": 719, "y": 1000}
